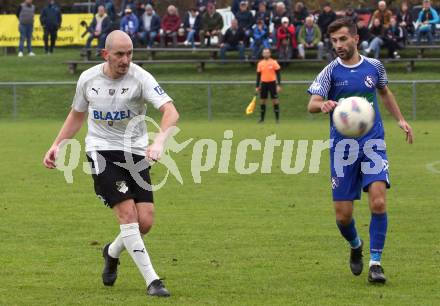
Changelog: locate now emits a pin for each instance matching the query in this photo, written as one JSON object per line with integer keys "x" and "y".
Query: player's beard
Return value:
{"x": 346, "y": 54}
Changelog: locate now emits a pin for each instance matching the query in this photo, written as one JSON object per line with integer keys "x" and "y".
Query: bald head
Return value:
{"x": 118, "y": 39}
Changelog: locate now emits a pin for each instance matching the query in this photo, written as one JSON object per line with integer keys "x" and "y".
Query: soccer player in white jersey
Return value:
{"x": 110, "y": 95}
{"x": 354, "y": 75}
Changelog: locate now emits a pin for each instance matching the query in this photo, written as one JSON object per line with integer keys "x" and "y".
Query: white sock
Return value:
{"x": 136, "y": 248}
{"x": 372, "y": 263}
{"x": 116, "y": 247}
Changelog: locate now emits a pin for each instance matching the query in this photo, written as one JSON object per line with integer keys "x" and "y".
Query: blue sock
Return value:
{"x": 378, "y": 231}
{"x": 349, "y": 233}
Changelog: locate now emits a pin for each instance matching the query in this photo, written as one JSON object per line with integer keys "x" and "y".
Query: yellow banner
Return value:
{"x": 69, "y": 33}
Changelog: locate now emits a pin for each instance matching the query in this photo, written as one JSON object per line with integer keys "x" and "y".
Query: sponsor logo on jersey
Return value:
{"x": 111, "y": 116}
{"x": 341, "y": 83}
{"x": 159, "y": 90}
{"x": 124, "y": 90}
{"x": 111, "y": 91}
{"x": 121, "y": 186}
{"x": 369, "y": 81}
{"x": 96, "y": 90}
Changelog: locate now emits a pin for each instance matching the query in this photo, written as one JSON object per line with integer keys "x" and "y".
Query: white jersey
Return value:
{"x": 111, "y": 104}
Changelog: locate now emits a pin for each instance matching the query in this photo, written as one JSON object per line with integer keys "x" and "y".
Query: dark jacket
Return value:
{"x": 276, "y": 19}
{"x": 408, "y": 19}
{"x": 197, "y": 22}
{"x": 245, "y": 20}
{"x": 300, "y": 17}
{"x": 51, "y": 16}
{"x": 265, "y": 16}
{"x": 232, "y": 38}
{"x": 106, "y": 26}
{"x": 324, "y": 20}
{"x": 377, "y": 31}
{"x": 364, "y": 34}
{"x": 154, "y": 26}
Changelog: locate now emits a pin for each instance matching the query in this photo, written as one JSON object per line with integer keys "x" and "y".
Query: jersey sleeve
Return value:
{"x": 152, "y": 92}
{"x": 382, "y": 79}
{"x": 277, "y": 66}
{"x": 80, "y": 103}
{"x": 321, "y": 85}
{"x": 259, "y": 67}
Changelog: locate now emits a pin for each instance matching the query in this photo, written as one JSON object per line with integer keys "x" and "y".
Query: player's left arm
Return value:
{"x": 391, "y": 105}
{"x": 278, "y": 76}
{"x": 170, "y": 116}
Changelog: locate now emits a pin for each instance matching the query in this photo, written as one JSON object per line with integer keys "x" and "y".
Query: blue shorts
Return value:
{"x": 353, "y": 170}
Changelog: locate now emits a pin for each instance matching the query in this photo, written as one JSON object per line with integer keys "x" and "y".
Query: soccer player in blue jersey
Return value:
{"x": 357, "y": 163}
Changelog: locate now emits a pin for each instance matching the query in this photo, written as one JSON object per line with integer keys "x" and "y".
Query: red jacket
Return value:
{"x": 283, "y": 33}
{"x": 171, "y": 23}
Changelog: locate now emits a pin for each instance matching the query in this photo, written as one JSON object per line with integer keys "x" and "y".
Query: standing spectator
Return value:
{"x": 394, "y": 38}
{"x": 141, "y": 6}
{"x": 428, "y": 18}
{"x": 245, "y": 20}
{"x": 170, "y": 26}
{"x": 286, "y": 39}
{"x": 280, "y": 13}
{"x": 326, "y": 17}
{"x": 383, "y": 14}
{"x": 25, "y": 14}
{"x": 350, "y": 13}
{"x": 268, "y": 73}
{"x": 109, "y": 8}
{"x": 309, "y": 37}
{"x": 260, "y": 39}
{"x": 300, "y": 14}
{"x": 377, "y": 32}
{"x": 212, "y": 25}
{"x": 100, "y": 27}
{"x": 127, "y": 4}
{"x": 405, "y": 20}
{"x": 235, "y": 6}
{"x": 364, "y": 35}
{"x": 263, "y": 13}
{"x": 50, "y": 19}
{"x": 130, "y": 24}
{"x": 201, "y": 6}
{"x": 233, "y": 40}
{"x": 191, "y": 25}
{"x": 149, "y": 26}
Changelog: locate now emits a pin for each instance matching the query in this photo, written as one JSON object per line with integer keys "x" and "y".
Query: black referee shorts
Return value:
{"x": 113, "y": 183}
{"x": 269, "y": 87}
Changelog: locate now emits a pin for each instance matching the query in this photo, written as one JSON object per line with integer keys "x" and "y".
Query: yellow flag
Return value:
{"x": 251, "y": 107}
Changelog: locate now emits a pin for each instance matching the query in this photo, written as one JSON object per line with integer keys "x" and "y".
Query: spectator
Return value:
{"x": 245, "y": 20}
{"x": 428, "y": 18}
{"x": 300, "y": 14}
{"x": 309, "y": 37}
{"x": 280, "y": 12}
{"x": 142, "y": 5}
{"x": 50, "y": 19}
{"x": 351, "y": 14}
{"x": 192, "y": 26}
{"x": 326, "y": 17}
{"x": 405, "y": 20}
{"x": 201, "y": 6}
{"x": 235, "y": 6}
{"x": 394, "y": 38}
{"x": 100, "y": 27}
{"x": 364, "y": 35}
{"x": 233, "y": 40}
{"x": 383, "y": 14}
{"x": 127, "y": 4}
{"x": 286, "y": 39}
{"x": 263, "y": 13}
{"x": 130, "y": 24}
{"x": 260, "y": 39}
{"x": 149, "y": 26}
{"x": 25, "y": 14}
{"x": 212, "y": 25}
{"x": 170, "y": 26}
{"x": 377, "y": 33}
{"x": 109, "y": 8}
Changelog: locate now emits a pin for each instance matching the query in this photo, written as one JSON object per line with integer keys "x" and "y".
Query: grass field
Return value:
{"x": 233, "y": 239}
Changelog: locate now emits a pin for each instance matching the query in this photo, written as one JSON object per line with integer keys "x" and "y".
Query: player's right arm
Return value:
{"x": 70, "y": 127}
{"x": 318, "y": 105}
{"x": 318, "y": 90}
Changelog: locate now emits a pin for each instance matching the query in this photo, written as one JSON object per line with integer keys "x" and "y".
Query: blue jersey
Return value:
{"x": 337, "y": 81}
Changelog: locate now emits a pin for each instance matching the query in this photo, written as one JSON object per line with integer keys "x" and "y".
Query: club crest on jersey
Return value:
{"x": 111, "y": 91}
{"x": 159, "y": 90}
{"x": 369, "y": 81}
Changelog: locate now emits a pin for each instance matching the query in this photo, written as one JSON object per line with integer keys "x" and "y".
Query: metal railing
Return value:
{"x": 209, "y": 84}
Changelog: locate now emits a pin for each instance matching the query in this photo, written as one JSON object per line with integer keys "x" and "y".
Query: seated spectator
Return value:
{"x": 141, "y": 6}
{"x": 130, "y": 24}
{"x": 364, "y": 35}
{"x": 212, "y": 25}
{"x": 233, "y": 40}
{"x": 245, "y": 20}
{"x": 351, "y": 14}
{"x": 377, "y": 33}
{"x": 383, "y": 14}
{"x": 279, "y": 13}
{"x": 100, "y": 27}
{"x": 191, "y": 24}
{"x": 260, "y": 40}
{"x": 300, "y": 14}
{"x": 109, "y": 8}
{"x": 263, "y": 13}
{"x": 286, "y": 39}
{"x": 201, "y": 6}
{"x": 405, "y": 20}
{"x": 170, "y": 26}
{"x": 127, "y": 3}
{"x": 309, "y": 37}
{"x": 394, "y": 38}
{"x": 326, "y": 17}
{"x": 428, "y": 18}
{"x": 149, "y": 26}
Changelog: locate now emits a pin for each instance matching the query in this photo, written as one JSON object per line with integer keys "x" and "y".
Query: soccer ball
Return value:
{"x": 353, "y": 117}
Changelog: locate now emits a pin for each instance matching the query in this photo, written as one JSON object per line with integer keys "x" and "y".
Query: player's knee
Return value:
{"x": 145, "y": 226}
{"x": 343, "y": 216}
{"x": 378, "y": 205}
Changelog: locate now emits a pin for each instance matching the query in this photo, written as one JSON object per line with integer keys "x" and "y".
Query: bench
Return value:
{"x": 410, "y": 60}
{"x": 421, "y": 48}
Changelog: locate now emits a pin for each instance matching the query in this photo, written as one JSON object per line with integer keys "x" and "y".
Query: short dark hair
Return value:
{"x": 340, "y": 23}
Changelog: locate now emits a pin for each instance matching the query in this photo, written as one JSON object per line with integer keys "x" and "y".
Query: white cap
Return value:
{"x": 284, "y": 19}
